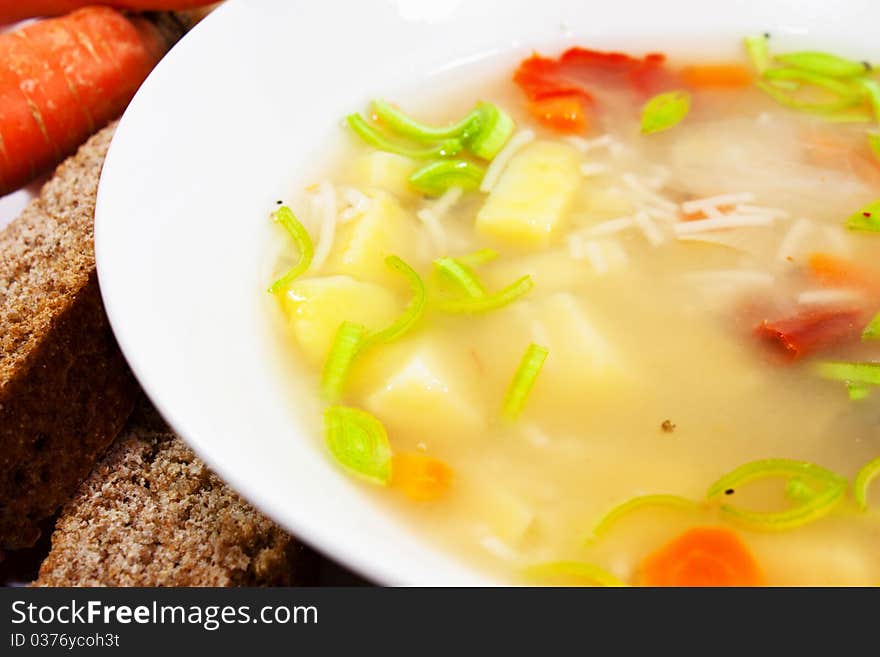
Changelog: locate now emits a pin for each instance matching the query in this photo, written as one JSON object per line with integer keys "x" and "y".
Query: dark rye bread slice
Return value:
{"x": 152, "y": 514}
{"x": 65, "y": 390}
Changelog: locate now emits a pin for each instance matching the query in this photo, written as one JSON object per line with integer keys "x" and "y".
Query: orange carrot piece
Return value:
{"x": 58, "y": 49}
{"x": 62, "y": 78}
{"x": 564, "y": 114}
{"x": 716, "y": 76}
{"x": 21, "y": 140}
{"x": 833, "y": 271}
{"x": 419, "y": 476}
{"x": 46, "y": 88}
{"x": 702, "y": 556}
{"x": 16, "y": 10}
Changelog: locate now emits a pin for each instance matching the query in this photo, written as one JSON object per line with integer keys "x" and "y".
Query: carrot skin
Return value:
{"x": 46, "y": 88}
{"x": 22, "y": 141}
{"x": 12, "y": 11}
{"x": 117, "y": 48}
{"x": 62, "y": 78}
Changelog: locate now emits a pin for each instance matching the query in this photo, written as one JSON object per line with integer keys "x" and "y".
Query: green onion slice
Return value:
{"x": 524, "y": 380}
{"x": 798, "y": 490}
{"x": 413, "y": 311}
{"x": 359, "y": 443}
{"x": 665, "y": 110}
{"x": 484, "y": 131}
{"x": 435, "y": 178}
{"x": 824, "y": 64}
{"x": 863, "y": 373}
{"x": 838, "y": 87}
{"x": 759, "y": 52}
{"x": 346, "y": 345}
{"x": 494, "y": 129}
{"x": 872, "y": 90}
{"x": 284, "y": 216}
{"x": 461, "y": 276}
{"x": 858, "y": 391}
{"x": 576, "y": 571}
{"x": 786, "y": 85}
{"x": 872, "y": 330}
{"x": 815, "y": 508}
{"x": 471, "y": 305}
{"x": 847, "y": 94}
{"x": 405, "y": 126}
{"x": 866, "y": 219}
{"x": 767, "y": 468}
{"x": 477, "y": 258}
{"x": 863, "y": 480}
{"x": 360, "y": 126}
{"x": 874, "y": 143}
{"x": 636, "y": 503}
{"x": 853, "y": 116}
{"x": 828, "y": 486}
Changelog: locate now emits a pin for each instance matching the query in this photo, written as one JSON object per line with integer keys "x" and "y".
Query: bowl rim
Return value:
{"x": 129, "y": 153}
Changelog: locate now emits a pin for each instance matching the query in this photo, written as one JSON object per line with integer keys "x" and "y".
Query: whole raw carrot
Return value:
{"x": 61, "y": 79}
{"x": 16, "y": 10}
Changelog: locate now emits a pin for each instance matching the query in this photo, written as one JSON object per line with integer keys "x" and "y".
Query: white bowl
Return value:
{"x": 231, "y": 120}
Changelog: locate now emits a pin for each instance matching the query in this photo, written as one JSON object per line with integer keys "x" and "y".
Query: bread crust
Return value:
{"x": 152, "y": 514}
{"x": 65, "y": 389}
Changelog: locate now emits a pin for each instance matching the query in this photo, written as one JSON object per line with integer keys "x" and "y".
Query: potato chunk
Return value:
{"x": 363, "y": 244}
{"x": 427, "y": 391}
{"x": 382, "y": 170}
{"x": 317, "y": 306}
{"x": 582, "y": 364}
{"x": 528, "y": 206}
{"x": 584, "y": 359}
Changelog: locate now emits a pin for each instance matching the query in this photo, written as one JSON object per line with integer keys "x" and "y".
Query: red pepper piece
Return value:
{"x": 569, "y": 80}
{"x": 565, "y": 114}
{"x": 811, "y": 331}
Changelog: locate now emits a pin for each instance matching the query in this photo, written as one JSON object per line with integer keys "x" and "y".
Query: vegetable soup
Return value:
{"x": 615, "y": 324}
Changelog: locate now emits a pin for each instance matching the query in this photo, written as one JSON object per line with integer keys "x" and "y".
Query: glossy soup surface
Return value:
{"x": 659, "y": 379}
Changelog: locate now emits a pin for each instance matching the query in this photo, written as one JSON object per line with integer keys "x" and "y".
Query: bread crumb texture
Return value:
{"x": 152, "y": 514}
{"x": 65, "y": 390}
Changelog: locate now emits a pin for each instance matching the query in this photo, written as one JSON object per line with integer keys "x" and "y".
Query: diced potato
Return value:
{"x": 583, "y": 360}
{"x": 581, "y": 366}
{"x": 317, "y": 306}
{"x": 363, "y": 244}
{"x": 426, "y": 390}
{"x": 506, "y": 516}
{"x": 382, "y": 170}
{"x": 530, "y": 203}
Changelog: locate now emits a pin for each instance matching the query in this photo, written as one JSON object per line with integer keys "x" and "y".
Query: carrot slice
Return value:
{"x": 564, "y": 114}
{"x": 419, "y": 476}
{"x": 834, "y": 271}
{"x": 716, "y": 76}
{"x": 702, "y": 556}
